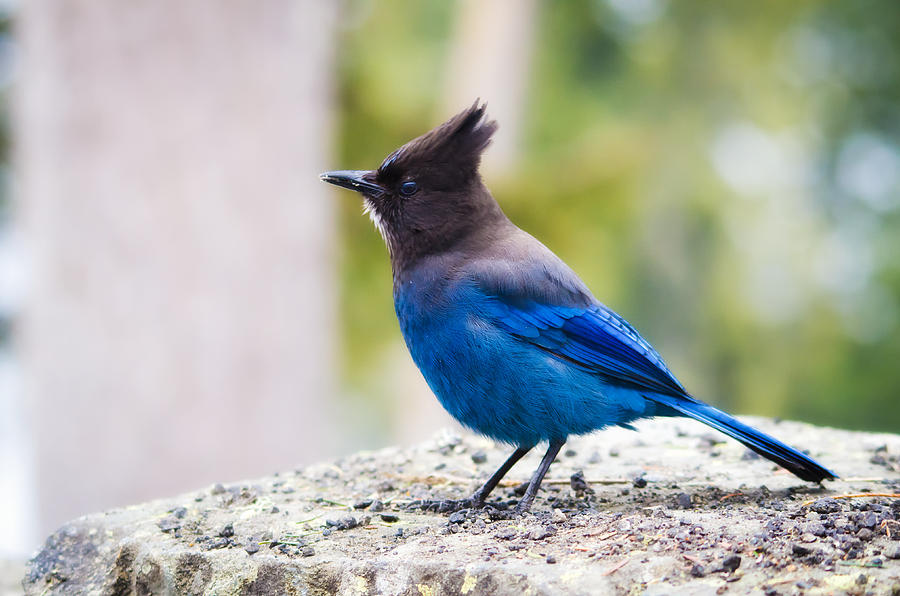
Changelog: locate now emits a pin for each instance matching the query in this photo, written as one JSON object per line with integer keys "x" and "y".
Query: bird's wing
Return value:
{"x": 591, "y": 336}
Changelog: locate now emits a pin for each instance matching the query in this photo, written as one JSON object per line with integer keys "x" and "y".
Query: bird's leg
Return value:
{"x": 478, "y": 497}
{"x": 533, "y": 486}
{"x": 482, "y": 493}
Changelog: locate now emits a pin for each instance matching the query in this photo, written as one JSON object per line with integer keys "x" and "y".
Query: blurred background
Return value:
{"x": 182, "y": 302}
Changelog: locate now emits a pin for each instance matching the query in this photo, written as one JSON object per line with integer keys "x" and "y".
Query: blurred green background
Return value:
{"x": 724, "y": 175}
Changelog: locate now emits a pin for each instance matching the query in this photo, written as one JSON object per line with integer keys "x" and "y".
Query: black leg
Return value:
{"x": 533, "y": 486}
{"x": 482, "y": 493}
{"x": 476, "y": 501}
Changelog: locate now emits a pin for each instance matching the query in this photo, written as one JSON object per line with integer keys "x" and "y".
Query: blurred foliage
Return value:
{"x": 725, "y": 175}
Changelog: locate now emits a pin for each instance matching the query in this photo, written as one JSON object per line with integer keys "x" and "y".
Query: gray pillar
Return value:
{"x": 180, "y": 328}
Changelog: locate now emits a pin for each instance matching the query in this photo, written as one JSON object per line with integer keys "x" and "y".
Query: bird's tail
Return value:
{"x": 769, "y": 447}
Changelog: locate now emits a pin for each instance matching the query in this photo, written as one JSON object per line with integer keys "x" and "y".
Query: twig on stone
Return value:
{"x": 612, "y": 570}
{"x": 856, "y": 496}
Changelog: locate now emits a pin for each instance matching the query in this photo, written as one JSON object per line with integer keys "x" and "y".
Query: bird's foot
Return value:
{"x": 495, "y": 510}
{"x": 446, "y": 505}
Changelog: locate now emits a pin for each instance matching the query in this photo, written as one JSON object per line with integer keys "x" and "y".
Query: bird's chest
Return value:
{"x": 443, "y": 330}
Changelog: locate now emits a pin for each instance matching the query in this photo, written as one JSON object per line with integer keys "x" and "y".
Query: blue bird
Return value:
{"x": 508, "y": 337}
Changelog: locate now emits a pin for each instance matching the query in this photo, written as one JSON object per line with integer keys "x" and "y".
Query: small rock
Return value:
{"x": 376, "y": 506}
{"x": 507, "y": 533}
{"x": 227, "y": 531}
{"x": 826, "y": 506}
{"x": 217, "y": 489}
{"x": 869, "y": 520}
{"x": 218, "y": 543}
{"x": 862, "y": 579}
{"x": 541, "y": 533}
{"x": 614, "y": 452}
{"x": 179, "y": 512}
{"x": 865, "y": 534}
{"x": 252, "y": 547}
{"x": 169, "y": 524}
{"x": 815, "y": 528}
{"x": 479, "y": 457}
{"x": 639, "y": 482}
{"x": 307, "y": 551}
{"x": 551, "y": 559}
{"x": 683, "y": 501}
{"x": 389, "y": 518}
{"x": 570, "y": 453}
{"x": 364, "y": 504}
{"x": 458, "y": 517}
{"x": 731, "y": 562}
{"x": 558, "y": 517}
{"x": 892, "y": 552}
{"x": 577, "y": 482}
{"x": 698, "y": 571}
{"x": 799, "y": 550}
{"x": 878, "y": 460}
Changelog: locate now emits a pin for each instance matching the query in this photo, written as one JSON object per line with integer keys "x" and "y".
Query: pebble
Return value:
{"x": 458, "y": 517}
{"x": 479, "y": 457}
{"x": 551, "y": 559}
{"x": 893, "y": 552}
{"x": 698, "y": 571}
{"x": 541, "y": 533}
{"x": 577, "y": 481}
{"x": 826, "y": 506}
{"x": 364, "y": 504}
{"x": 558, "y": 517}
{"x": 683, "y": 501}
{"x": 799, "y": 550}
{"x": 815, "y": 528}
{"x": 639, "y": 482}
{"x": 307, "y": 551}
{"x": 869, "y": 520}
{"x": 252, "y": 547}
{"x": 168, "y": 524}
{"x": 731, "y": 562}
{"x": 389, "y": 518}
{"x": 227, "y": 531}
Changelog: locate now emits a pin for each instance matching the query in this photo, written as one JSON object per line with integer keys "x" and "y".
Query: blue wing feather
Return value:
{"x": 592, "y": 337}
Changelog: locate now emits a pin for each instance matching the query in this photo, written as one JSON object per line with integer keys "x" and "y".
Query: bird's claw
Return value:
{"x": 446, "y": 505}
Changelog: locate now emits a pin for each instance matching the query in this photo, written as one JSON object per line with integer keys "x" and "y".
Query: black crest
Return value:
{"x": 456, "y": 145}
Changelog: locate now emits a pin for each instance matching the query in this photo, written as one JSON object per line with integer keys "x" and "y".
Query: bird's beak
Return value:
{"x": 354, "y": 180}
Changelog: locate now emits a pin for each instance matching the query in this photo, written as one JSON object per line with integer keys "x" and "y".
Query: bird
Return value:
{"x": 510, "y": 340}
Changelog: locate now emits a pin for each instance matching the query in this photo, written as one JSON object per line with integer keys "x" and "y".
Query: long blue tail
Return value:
{"x": 763, "y": 444}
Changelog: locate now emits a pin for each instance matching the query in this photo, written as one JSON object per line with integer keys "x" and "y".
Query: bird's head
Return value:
{"x": 428, "y": 194}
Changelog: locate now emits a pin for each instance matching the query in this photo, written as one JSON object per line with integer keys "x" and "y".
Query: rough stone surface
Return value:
{"x": 351, "y": 526}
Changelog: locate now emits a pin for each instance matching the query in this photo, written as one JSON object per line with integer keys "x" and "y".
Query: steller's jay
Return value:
{"x": 508, "y": 337}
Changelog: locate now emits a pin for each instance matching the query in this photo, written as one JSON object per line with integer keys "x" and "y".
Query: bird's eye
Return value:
{"x": 408, "y": 189}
